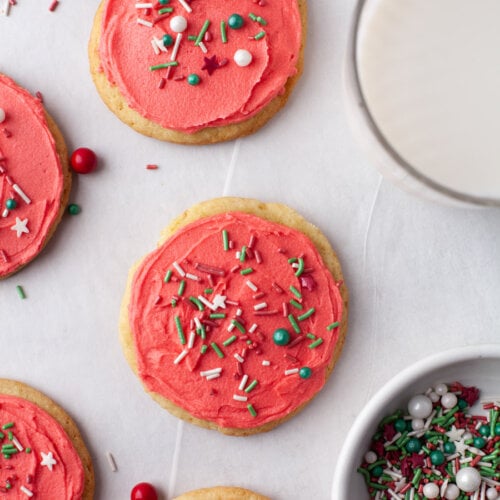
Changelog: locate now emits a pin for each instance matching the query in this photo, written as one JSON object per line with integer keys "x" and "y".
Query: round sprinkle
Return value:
{"x": 431, "y": 490}
{"x": 370, "y": 457}
{"x": 417, "y": 424}
{"x": 193, "y": 79}
{"x": 484, "y": 430}
{"x": 163, "y": 2}
{"x": 437, "y": 458}
{"x": 83, "y": 160}
{"x": 491, "y": 494}
{"x": 74, "y": 209}
{"x": 452, "y": 492}
{"x": 281, "y": 336}
{"x": 305, "y": 372}
{"x": 479, "y": 442}
{"x": 400, "y": 425}
{"x": 377, "y": 471}
{"x": 167, "y": 40}
{"x": 468, "y": 479}
{"x": 413, "y": 445}
{"x": 449, "y": 400}
{"x": 420, "y": 406}
{"x": 143, "y": 491}
{"x": 11, "y": 203}
{"x": 178, "y": 24}
{"x": 441, "y": 389}
{"x": 242, "y": 57}
{"x": 449, "y": 448}
{"x": 2, "y": 115}
{"x": 235, "y": 21}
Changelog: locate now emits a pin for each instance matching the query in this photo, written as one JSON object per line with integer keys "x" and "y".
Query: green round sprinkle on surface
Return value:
{"x": 437, "y": 457}
{"x": 11, "y": 203}
{"x": 377, "y": 471}
{"x": 281, "y": 336}
{"x": 413, "y": 445}
{"x": 235, "y": 21}
{"x": 484, "y": 430}
{"x": 193, "y": 79}
{"x": 462, "y": 404}
{"x": 479, "y": 442}
{"x": 449, "y": 448}
{"x": 74, "y": 209}
{"x": 400, "y": 425}
{"x": 167, "y": 40}
{"x": 163, "y": 2}
{"x": 497, "y": 430}
{"x": 305, "y": 372}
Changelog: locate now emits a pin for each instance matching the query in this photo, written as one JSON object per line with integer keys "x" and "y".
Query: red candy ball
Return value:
{"x": 143, "y": 491}
{"x": 83, "y": 160}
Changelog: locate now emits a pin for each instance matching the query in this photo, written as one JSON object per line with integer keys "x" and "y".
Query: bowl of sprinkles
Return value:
{"x": 432, "y": 432}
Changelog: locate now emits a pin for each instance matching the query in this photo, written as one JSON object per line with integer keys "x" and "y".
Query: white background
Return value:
{"x": 422, "y": 277}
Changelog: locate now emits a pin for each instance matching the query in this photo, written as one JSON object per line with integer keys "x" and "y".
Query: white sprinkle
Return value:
{"x": 143, "y": 5}
{"x": 206, "y": 302}
{"x": 181, "y": 356}
{"x": 291, "y": 371}
{"x": 239, "y": 358}
{"x": 251, "y": 286}
{"x": 262, "y": 305}
{"x": 239, "y": 312}
{"x": 111, "y": 462}
{"x": 215, "y": 375}
{"x": 176, "y": 47}
{"x": 237, "y": 397}
{"x": 295, "y": 265}
{"x": 192, "y": 277}
{"x": 443, "y": 487}
{"x": 26, "y": 491}
{"x": 160, "y": 45}
{"x": 186, "y": 6}
{"x": 258, "y": 258}
{"x": 5, "y": 8}
{"x": 237, "y": 256}
{"x": 149, "y": 24}
{"x": 253, "y": 328}
{"x": 393, "y": 494}
{"x": 243, "y": 382}
{"x": 155, "y": 47}
{"x": 17, "y": 444}
{"x": 230, "y": 328}
{"x": 203, "y": 47}
{"x": 265, "y": 362}
{"x": 197, "y": 322}
{"x": 21, "y": 193}
{"x": 191, "y": 340}
{"x": 5, "y": 212}
{"x": 207, "y": 373}
{"x": 179, "y": 269}
{"x": 452, "y": 457}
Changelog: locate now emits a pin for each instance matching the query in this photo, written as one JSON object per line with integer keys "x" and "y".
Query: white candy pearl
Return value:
{"x": 467, "y": 436}
{"x": 417, "y": 424}
{"x": 2, "y": 115}
{"x": 452, "y": 492}
{"x": 178, "y": 24}
{"x": 242, "y": 57}
{"x": 433, "y": 397}
{"x": 431, "y": 490}
{"x": 420, "y": 406}
{"x": 468, "y": 479}
{"x": 491, "y": 494}
{"x": 449, "y": 400}
{"x": 370, "y": 457}
{"x": 441, "y": 389}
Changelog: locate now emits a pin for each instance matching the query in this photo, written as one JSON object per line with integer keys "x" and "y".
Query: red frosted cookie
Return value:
{"x": 236, "y": 320}
{"x": 34, "y": 177}
{"x": 197, "y": 71}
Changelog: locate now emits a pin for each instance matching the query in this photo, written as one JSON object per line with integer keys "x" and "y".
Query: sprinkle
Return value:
{"x": 295, "y": 292}
{"x": 20, "y": 292}
{"x": 192, "y": 336}
{"x": 209, "y": 269}
{"x": 162, "y": 83}
{"x": 259, "y": 36}
{"x": 311, "y": 336}
{"x": 243, "y": 382}
{"x": 167, "y": 277}
{"x": 277, "y": 287}
{"x": 243, "y": 253}
{"x": 192, "y": 277}
{"x": 180, "y": 331}
{"x": 223, "y": 32}
{"x": 265, "y": 362}
{"x": 291, "y": 371}
{"x": 5, "y": 7}
{"x": 202, "y": 32}
{"x": 239, "y": 358}
{"x": 229, "y": 340}
{"x": 179, "y": 269}
{"x": 251, "y": 286}
{"x": 307, "y": 314}
{"x": 182, "y": 286}
{"x": 180, "y": 357}
{"x": 266, "y": 313}
{"x": 252, "y": 411}
{"x": 151, "y": 167}
{"x": 206, "y": 302}
{"x": 235, "y": 268}
{"x": 316, "y": 343}
{"x": 296, "y": 304}
{"x": 25, "y": 490}
{"x": 253, "y": 328}
{"x": 143, "y": 22}
{"x": 207, "y": 373}
{"x": 17, "y": 444}
{"x": 300, "y": 268}
{"x": 211, "y": 377}
{"x": 246, "y": 271}
{"x": 225, "y": 240}
{"x": 21, "y": 193}
{"x": 294, "y": 323}
{"x": 204, "y": 348}
{"x": 111, "y": 462}
{"x": 237, "y": 397}
{"x": 186, "y": 6}
{"x": 165, "y": 10}
{"x": 238, "y": 325}
{"x": 143, "y": 5}
{"x": 163, "y": 65}
{"x": 262, "y": 305}
{"x": 333, "y": 325}
{"x": 8, "y": 425}
{"x": 177, "y": 44}
{"x": 251, "y": 386}
{"x": 52, "y": 8}
{"x": 216, "y": 348}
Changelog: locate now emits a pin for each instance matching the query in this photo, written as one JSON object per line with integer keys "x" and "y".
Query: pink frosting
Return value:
{"x": 231, "y": 93}
{"x": 29, "y": 160}
{"x": 37, "y": 432}
{"x": 252, "y": 352}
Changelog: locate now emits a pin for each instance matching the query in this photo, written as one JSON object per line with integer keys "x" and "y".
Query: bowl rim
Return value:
{"x": 393, "y": 386}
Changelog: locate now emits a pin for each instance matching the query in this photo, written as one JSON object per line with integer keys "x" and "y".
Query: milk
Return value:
{"x": 429, "y": 72}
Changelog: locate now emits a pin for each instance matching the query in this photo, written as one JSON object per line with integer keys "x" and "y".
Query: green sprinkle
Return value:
{"x": 493, "y": 421}
{"x": 296, "y": 304}
{"x": 167, "y": 277}
{"x": 180, "y": 331}
{"x": 204, "y": 348}
{"x": 238, "y": 325}
{"x": 201, "y": 331}
{"x": 243, "y": 253}
{"x": 261, "y": 21}
{"x": 28, "y": 450}
{"x": 223, "y": 32}
{"x": 191, "y": 38}
{"x": 252, "y": 411}
{"x": 8, "y": 486}
{"x": 74, "y": 209}
{"x": 293, "y": 322}
{"x": 20, "y": 292}
{"x": 202, "y": 32}
{"x": 292, "y": 260}
{"x": 11, "y": 436}
{"x": 416, "y": 477}
{"x": 311, "y": 336}
{"x": 216, "y": 348}
{"x": 165, "y": 10}
{"x": 316, "y": 343}
{"x": 2, "y": 435}
{"x": 295, "y": 292}
{"x": 258, "y": 36}
{"x": 229, "y": 341}
{"x": 307, "y": 314}
{"x": 173, "y": 302}
{"x": 164, "y": 65}
{"x": 182, "y": 286}
{"x": 197, "y": 303}
{"x": 333, "y": 325}
{"x": 246, "y": 271}
{"x": 208, "y": 291}
{"x": 225, "y": 238}
{"x": 377, "y": 486}
{"x": 251, "y": 386}
{"x": 217, "y": 316}
{"x": 8, "y": 425}
{"x": 300, "y": 269}
{"x": 252, "y": 16}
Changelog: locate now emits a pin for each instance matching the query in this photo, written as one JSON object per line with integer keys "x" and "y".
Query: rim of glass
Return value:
{"x": 362, "y": 105}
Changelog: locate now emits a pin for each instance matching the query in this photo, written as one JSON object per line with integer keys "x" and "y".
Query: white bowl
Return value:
{"x": 473, "y": 365}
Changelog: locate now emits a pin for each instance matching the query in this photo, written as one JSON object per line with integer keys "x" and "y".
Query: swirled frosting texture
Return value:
{"x": 154, "y": 321}
{"x": 29, "y": 160}
{"x": 231, "y": 93}
{"x": 37, "y": 432}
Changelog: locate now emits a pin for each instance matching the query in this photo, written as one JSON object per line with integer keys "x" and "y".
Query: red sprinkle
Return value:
{"x": 53, "y": 5}
{"x": 161, "y": 83}
{"x": 39, "y": 95}
{"x": 152, "y": 167}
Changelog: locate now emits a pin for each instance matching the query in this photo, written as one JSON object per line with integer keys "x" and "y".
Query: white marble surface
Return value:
{"x": 422, "y": 277}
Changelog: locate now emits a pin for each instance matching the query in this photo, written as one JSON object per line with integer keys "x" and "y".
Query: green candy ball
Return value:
{"x": 305, "y": 372}
{"x": 479, "y": 442}
{"x": 413, "y": 445}
{"x": 167, "y": 40}
{"x": 163, "y": 2}
{"x": 193, "y": 79}
{"x": 235, "y": 21}
{"x": 497, "y": 430}
{"x": 281, "y": 336}
{"x": 437, "y": 457}
{"x": 484, "y": 430}
{"x": 462, "y": 404}
{"x": 11, "y": 204}
{"x": 74, "y": 209}
{"x": 377, "y": 471}
{"x": 400, "y": 425}
{"x": 449, "y": 448}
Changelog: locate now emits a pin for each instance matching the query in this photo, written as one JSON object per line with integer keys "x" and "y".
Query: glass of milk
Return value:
{"x": 423, "y": 88}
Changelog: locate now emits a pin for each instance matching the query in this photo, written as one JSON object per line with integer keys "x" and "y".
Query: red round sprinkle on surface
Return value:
{"x": 143, "y": 491}
{"x": 83, "y": 160}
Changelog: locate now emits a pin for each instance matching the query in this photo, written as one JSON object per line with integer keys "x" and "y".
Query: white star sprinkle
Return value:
{"x": 219, "y": 301}
{"x": 20, "y": 227}
{"x": 460, "y": 446}
{"x": 455, "y": 434}
{"x": 48, "y": 460}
